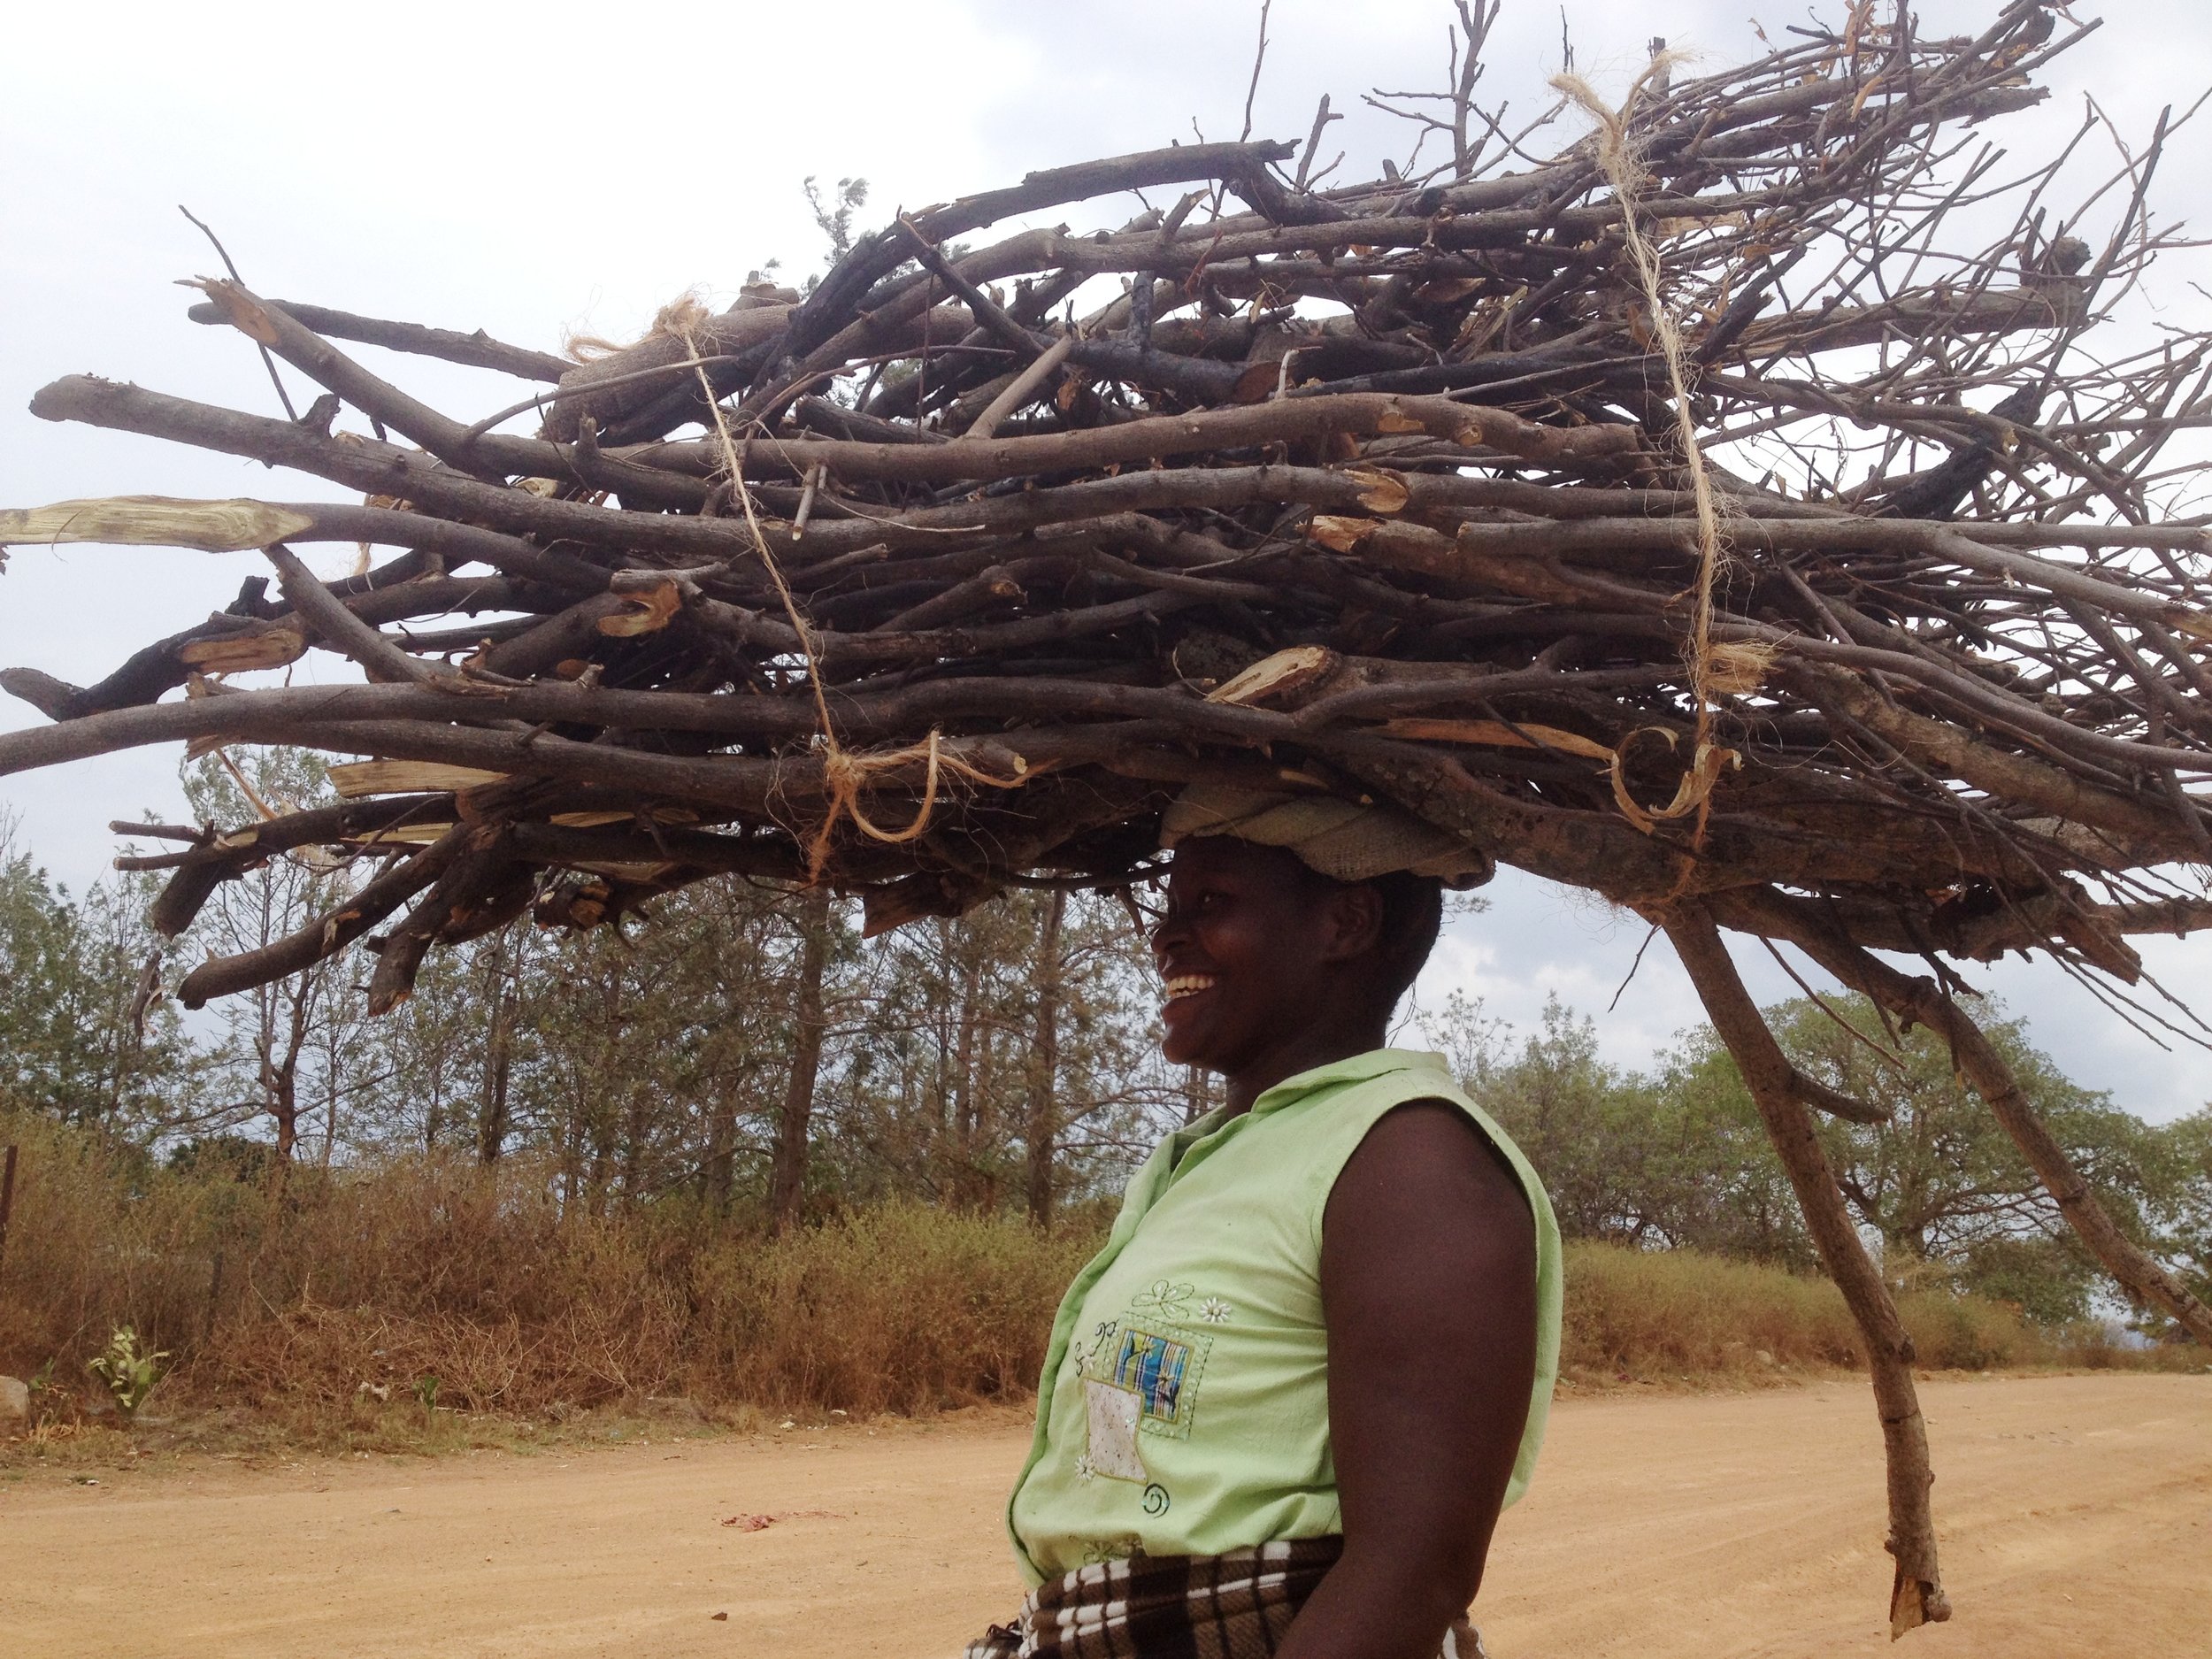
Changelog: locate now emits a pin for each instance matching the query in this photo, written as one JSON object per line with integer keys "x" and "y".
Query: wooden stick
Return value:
{"x": 477, "y": 349}
{"x": 325, "y": 934}
{"x": 1916, "y": 1594}
{"x": 346, "y": 632}
{"x": 1023, "y": 388}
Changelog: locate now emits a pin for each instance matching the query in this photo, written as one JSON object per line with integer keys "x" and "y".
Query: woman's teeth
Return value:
{"x": 1189, "y": 985}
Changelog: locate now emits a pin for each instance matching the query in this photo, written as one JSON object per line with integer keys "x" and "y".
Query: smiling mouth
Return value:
{"x": 1185, "y": 985}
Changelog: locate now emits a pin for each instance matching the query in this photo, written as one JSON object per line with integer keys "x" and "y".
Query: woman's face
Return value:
{"x": 1252, "y": 951}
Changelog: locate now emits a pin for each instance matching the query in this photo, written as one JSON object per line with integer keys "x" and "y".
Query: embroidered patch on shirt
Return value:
{"x": 1152, "y": 1374}
{"x": 1111, "y": 1418}
{"x": 1152, "y": 1367}
{"x": 1143, "y": 1382}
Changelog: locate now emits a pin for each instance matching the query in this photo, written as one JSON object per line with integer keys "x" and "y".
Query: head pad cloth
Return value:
{"x": 1339, "y": 838}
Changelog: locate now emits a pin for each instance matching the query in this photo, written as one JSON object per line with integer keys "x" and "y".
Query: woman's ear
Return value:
{"x": 1354, "y": 922}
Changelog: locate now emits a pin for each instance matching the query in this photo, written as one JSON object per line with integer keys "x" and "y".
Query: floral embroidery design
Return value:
{"x": 1213, "y": 1310}
{"x": 1098, "y": 1551}
{"x": 1166, "y": 1300}
{"x": 1085, "y": 1469}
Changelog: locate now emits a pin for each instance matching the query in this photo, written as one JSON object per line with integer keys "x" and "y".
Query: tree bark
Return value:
{"x": 279, "y": 1078}
{"x": 963, "y": 1089}
{"x": 787, "y": 1175}
{"x": 720, "y": 1171}
{"x": 1044, "y": 1115}
{"x": 492, "y": 1107}
{"x": 284, "y": 1107}
{"x": 7, "y": 1197}
{"x": 1916, "y": 1594}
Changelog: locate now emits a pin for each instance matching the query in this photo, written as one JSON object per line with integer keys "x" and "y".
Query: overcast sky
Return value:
{"x": 535, "y": 169}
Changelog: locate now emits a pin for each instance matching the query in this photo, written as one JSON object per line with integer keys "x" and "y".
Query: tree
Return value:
{"x": 500, "y": 973}
{"x": 284, "y": 1044}
{"x": 1722, "y": 1188}
{"x": 1940, "y": 1186}
{"x": 1679, "y": 1158}
{"x": 2186, "y": 1211}
{"x": 1666, "y": 1159}
{"x": 444, "y": 1060}
{"x": 786, "y": 1182}
{"x": 1041, "y": 1128}
{"x": 83, "y": 1031}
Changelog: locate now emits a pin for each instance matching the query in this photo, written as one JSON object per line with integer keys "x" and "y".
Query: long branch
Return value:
{"x": 1916, "y": 1594}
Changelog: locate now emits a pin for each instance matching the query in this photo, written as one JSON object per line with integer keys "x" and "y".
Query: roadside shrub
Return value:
{"x": 1955, "y": 1333}
{"x": 333, "y": 1301}
{"x": 1650, "y": 1314}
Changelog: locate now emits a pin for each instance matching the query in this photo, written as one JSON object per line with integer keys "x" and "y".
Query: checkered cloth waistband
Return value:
{"x": 1233, "y": 1606}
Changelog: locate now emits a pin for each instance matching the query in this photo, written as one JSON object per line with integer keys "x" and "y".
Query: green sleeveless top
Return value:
{"x": 1184, "y": 1407}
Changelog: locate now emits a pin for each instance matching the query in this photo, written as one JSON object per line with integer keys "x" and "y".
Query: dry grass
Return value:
{"x": 1657, "y": 1316}
{"x": 358, "y": 1304}
{"x": 900, "y": 1309}
{"x": 425, "y": 1305}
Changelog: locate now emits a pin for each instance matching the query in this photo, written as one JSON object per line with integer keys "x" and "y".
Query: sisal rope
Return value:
{"x": 1617, "y": 160}
{"x": 847, "y": 774}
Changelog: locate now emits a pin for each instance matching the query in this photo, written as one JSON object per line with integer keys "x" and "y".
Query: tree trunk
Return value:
{"x": 280, "y": 1078}
{"x": 491, "y": 1110}
{"x": 599, "y": 1108}
{"x": 284, "y": 1107}
{"x": 720, "y": 1171}
{"x": 433, "y": 1110}
{"x": 635, "y": 1133}
{"x": 572, "y": 1155}
{"x": 964, "y": 1090}
{"x": 1916, "y": 1594}
{"x": 1043, "y": 1127}
{"x": 786, "y": 1170}
{"x": 7, "y": 1197}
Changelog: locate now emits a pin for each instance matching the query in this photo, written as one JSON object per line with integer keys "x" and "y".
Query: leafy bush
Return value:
{"x": 127, "y": 1372}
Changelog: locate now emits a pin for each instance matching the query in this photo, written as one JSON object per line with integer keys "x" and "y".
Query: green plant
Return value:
{"x": 426, "y": 1392}
{"x": 129, "y": 1375}
{"x": 47, "y": 1401}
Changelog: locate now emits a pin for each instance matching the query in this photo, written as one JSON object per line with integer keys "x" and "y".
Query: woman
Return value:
{"x": 1282, "y": 1408}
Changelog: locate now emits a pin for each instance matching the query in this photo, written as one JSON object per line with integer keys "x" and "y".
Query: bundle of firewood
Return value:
{"x": 1725, "y": 516}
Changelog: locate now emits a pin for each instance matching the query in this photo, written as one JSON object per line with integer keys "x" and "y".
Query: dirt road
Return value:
{"x": 2076, "y": 1513}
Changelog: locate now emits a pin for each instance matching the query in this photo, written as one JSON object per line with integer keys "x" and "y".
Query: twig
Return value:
{"x": 1259, "y": 57}
{"x": 267, "y": 362}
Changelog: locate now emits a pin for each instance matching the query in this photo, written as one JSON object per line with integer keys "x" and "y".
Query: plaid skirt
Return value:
{"x": 1234, "y": 1606}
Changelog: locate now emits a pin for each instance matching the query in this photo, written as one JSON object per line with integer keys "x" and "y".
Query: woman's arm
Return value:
{"x": 1428, "y": 1280}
